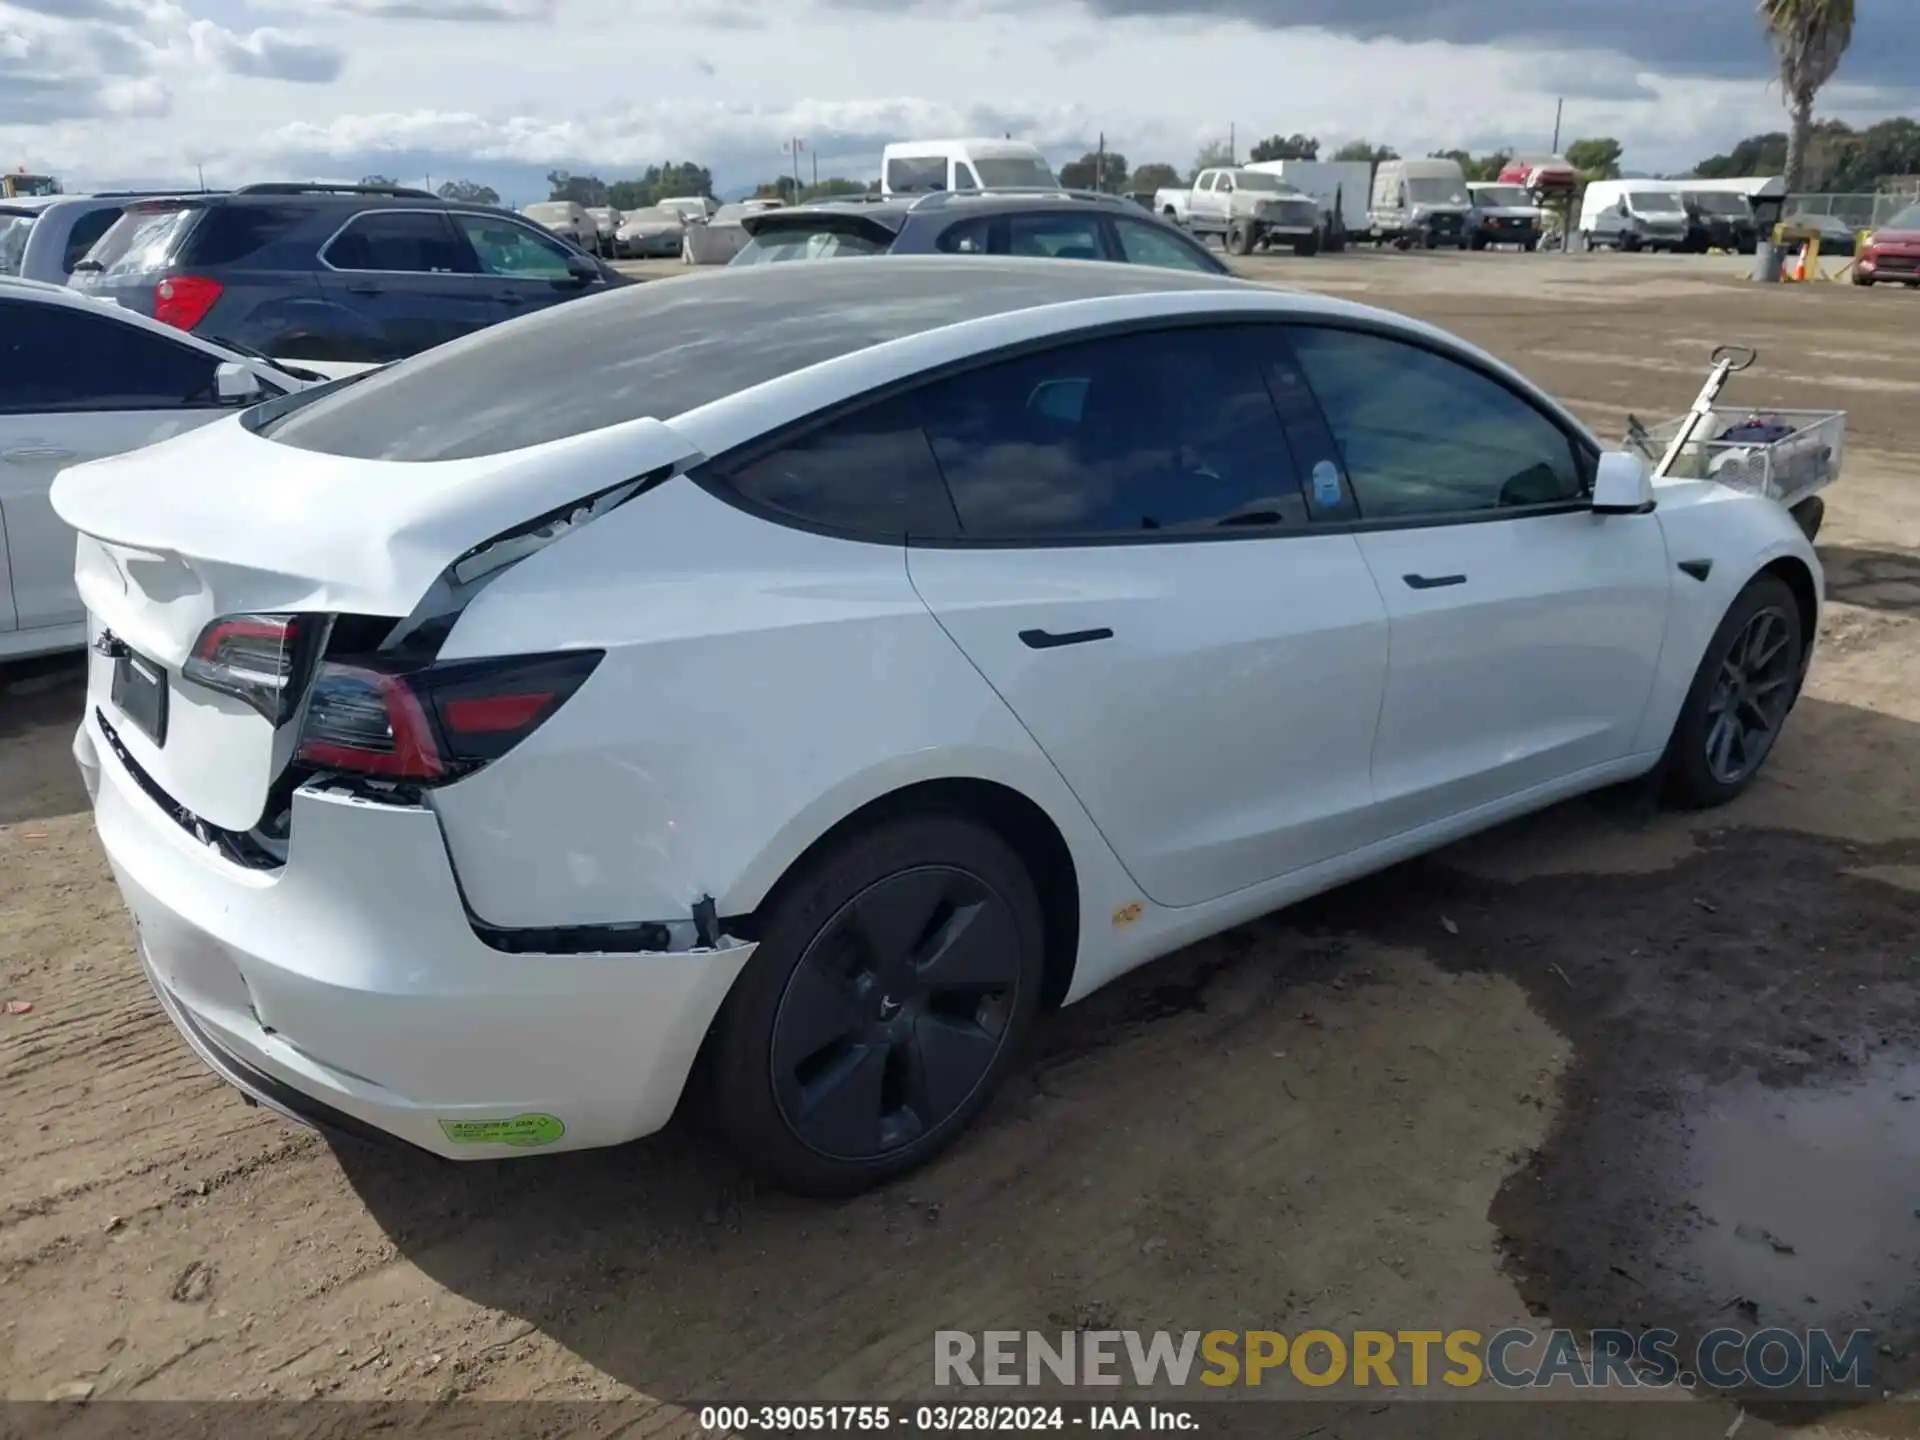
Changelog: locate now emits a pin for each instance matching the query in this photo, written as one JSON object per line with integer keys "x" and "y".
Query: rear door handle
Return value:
{"x": 366, "y": 290}
{"x": 34, "y": 454}
{"x": 1433, "y": 582}
{"x": 1051, "y": 640}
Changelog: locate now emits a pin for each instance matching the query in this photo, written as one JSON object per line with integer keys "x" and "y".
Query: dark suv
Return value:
{"x": 333, "y": 272}
{"x": 1056, "y": 224}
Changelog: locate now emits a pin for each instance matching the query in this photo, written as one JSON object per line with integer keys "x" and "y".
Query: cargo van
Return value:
{"x": 915, "y": 167}
{"x": 1420, "y": 202}
{"x": 1633, "y": 215}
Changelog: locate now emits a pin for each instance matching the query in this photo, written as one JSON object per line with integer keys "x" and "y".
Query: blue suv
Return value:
{"x": 333, "y": 272}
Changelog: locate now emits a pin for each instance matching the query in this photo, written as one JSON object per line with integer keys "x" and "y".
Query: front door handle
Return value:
{"x": 1052, "y": 640}
{"x": 35, "y": 454}
{"x": 366, "y": 290}
{"x": 1433, "y": 582}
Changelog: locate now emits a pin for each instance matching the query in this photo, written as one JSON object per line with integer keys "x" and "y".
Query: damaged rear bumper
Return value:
{"x": 349, "y": 990}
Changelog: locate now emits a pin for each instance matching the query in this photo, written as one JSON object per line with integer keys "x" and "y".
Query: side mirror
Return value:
{"x": 1622, "y": 484}
{"x": 582, "y": 269}
{"x": 236, "y": 384}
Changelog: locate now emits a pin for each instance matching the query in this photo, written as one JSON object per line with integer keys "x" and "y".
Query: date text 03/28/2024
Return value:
{"x": 942, "y": 1419}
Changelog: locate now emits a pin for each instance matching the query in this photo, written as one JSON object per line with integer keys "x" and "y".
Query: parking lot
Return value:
{"x": 1609, "y": 1065}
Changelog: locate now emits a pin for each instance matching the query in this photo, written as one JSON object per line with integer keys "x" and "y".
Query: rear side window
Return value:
{"x": 85, "y": 233}
{"x": 910, "y": 174}
{"x": 870, "y": 473}
{"x": 413, "y": 242}
{"x": 58, "y": 359}
{"x": 144, "y": 239}
{"x": 1128, "y": 435}
{"x": 1057, "y": 235}
{"x": 238, "y": 231}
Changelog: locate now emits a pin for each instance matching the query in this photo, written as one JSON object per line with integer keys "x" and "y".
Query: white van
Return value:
{"x": 1420, "y": 202}
{"x": 1633, "y": 215}
{"x": 915, "y": 167}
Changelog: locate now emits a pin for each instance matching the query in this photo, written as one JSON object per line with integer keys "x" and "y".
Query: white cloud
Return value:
{"x": 614, "y": 85}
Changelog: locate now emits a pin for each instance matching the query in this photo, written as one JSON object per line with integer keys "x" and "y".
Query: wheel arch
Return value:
{"x": 1806, "y": 592}
{"x": 1015, "y": 817}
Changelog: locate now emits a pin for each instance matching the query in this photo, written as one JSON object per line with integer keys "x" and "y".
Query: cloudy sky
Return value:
{"x": 502, "y": 90}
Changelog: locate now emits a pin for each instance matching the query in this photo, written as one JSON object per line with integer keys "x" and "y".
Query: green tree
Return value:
{"x": 1212, "y": 156}
{"x": 1286, "y": 147}
{"x": 1157, "y": 176}
{"x": 1597, "y": 159}
{"x": 661, "y": 182}
{"x": 468, "y": 192}
{"x": 386, "y": 181}
{"x": 1810, "y": 38}
{"x": 1365, "y": 150}
{"x": 1095, "y": 171}
{"x": 580, "y": 189}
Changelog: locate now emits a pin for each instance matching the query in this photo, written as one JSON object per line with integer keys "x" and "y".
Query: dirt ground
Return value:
{"x": 1607, "y": 1065}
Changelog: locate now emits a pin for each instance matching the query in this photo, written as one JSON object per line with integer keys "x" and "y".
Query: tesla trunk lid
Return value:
{"x": 222, "y": 522}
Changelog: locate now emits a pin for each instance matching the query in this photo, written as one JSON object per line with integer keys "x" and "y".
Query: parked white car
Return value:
{"x": 812, "y": 671}
{"x": 80, "y": 379}
{"x": 652, "y": 234}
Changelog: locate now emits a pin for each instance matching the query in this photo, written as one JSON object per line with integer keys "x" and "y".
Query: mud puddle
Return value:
{"x": 1739, "y": 1138}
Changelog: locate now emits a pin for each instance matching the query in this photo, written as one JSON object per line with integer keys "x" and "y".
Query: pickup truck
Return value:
{"x": 1248, "y": 210}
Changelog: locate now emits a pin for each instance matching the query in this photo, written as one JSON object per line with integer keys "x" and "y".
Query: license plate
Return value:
{"x": 140, "y": 693}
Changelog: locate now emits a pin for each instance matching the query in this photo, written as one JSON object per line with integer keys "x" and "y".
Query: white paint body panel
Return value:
{"x": 1271, "y": 717}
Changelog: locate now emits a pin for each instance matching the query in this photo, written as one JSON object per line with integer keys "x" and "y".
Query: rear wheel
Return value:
{"x": 1747, "y": 682}
{"x": 896, "y": 978}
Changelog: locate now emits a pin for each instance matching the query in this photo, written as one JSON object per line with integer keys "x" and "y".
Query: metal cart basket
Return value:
{"x": 1787, "y": 455}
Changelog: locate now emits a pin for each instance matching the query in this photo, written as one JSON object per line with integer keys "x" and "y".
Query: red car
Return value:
{"x": 1892, "y": 253}
{"x": 1541, "y": 174}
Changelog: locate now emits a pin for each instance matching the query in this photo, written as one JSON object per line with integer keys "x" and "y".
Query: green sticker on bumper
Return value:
{"x": 522, "y": 1130}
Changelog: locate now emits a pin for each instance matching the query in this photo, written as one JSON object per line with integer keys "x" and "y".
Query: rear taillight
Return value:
{"x": 253, "y": 658}
{"x": 431, "y": 723}
{"x": 184, "y": 300}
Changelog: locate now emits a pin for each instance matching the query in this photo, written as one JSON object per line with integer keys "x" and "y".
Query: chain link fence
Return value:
{"x": 1856, "y": 212}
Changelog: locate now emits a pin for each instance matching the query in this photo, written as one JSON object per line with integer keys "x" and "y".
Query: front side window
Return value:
{"x": 870, "y": 472}
{"x": 517, "y": 252}
{"x": 413, "y": 242}
{"x": 915, "y": 174}
{"x": 1143, "y": 244}
{"x": 1125, "y": 436}
{"x": 1423, "y": 435}
{"x": 1059, "y": 236}
{"x": 1437, "y": 192}
{"x": 58, "y": 358}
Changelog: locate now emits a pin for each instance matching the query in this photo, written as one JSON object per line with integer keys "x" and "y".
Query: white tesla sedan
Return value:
{"x": 80, "y": 379}
{"x": 846, "y": 664}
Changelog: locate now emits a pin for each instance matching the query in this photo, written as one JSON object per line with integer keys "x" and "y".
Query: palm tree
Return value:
{"x": 1810, "y": 37}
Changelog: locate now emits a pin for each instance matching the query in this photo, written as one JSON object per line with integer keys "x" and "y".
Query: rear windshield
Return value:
{"x": 666, "y": 347}
{"x": 143, "y": 239}
{"x": 1002, "y": 171}
{"x": 813, "y": 240}
{"x": 14, "y": 228}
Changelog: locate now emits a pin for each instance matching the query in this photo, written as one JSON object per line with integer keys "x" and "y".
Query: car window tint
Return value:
{"x": 1061, "y": 236}
{"x": 85, "y": 232}
{"x": 1421, "y": 434}
{"x": 59, "y": 358}
{"x": 239, "y": 230}
{"x": 907, "y": 174}
{"x": 1167, "y": 430}
{"x": 968, "y": 237}
{"x": 143, "y": 239}
{"x": 870, "y": 472}
{"x": 512, "y": 250}
{"x": 414, "y": 242}
{"x": 1143, "y": 244}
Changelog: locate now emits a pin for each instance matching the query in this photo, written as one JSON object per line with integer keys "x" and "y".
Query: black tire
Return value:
{"x": 1532, "y": 245}
{"x": 1239, "y": 240}
{"x": 1630, "y": 243}
{"x": 1307, "y": 247}
{"x": 1763, "y": 614}
{"x": 839, "y": 938}
{"x": 1479, "y": 242}
{"x": 1431, "y": 240}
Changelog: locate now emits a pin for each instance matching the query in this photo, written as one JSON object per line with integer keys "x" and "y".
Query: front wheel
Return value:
{"x": 1307, "y": 246}
{"x": 1747, "y": 682}
{"x": 896, "y": 978}
{"x": 1239, "y": 238}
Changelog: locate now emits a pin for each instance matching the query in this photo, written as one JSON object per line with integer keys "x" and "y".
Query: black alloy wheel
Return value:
{"x": 896, "y": 975}
{"x": 1747, "y": 682}
{"x": 1751, "y": 696}
{"x": 895, "y": 1013}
